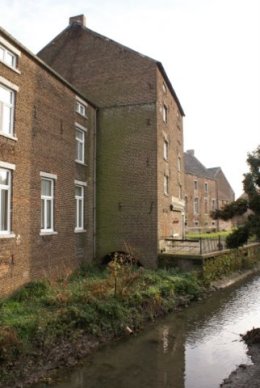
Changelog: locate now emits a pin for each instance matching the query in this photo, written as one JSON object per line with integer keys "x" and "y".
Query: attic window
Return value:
{"x": 7, "y": 57}
{"x": 81, "y": 107}
{"x": 8, "y": 54}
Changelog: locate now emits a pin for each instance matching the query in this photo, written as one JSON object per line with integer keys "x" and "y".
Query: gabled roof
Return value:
{"x": 194, "y": 167}
{"x": 96, "y": 34}
{"x": 213, "y": 171}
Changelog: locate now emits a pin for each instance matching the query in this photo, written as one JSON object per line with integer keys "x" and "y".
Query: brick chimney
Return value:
{"x": 79, "y": 19}
{"x": 190, "y": 152}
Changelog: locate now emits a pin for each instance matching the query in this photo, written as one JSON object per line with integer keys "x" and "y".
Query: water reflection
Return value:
{"x": 196, "y": 348}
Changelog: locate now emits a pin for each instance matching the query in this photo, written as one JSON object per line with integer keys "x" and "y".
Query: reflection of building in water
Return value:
{"x": 170, "y": 368}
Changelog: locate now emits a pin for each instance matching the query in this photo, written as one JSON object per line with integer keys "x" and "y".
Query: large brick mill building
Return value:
{"x": 140, "y": 169}
{"x": 91, "y": 156}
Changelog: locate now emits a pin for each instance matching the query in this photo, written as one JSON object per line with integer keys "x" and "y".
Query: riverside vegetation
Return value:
{"x": 48, "y": 325}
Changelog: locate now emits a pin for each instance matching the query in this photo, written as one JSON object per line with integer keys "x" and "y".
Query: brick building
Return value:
{"x": 206, "y": 189}
{"x": 140, "y": 168}
{"x": 47, "y": 170}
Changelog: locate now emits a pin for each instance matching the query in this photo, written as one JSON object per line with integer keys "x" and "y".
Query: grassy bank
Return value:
{"x": 54, "y": 321}
{"x": 210, "y": 235}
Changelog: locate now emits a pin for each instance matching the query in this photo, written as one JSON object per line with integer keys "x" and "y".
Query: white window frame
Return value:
{"x": 6, "y": 53}
{"x": 206, "y": 188}
{"x": 9, "y": 49}
{"x": 45, "y": 198}
{"x": 11, "y": 107}
{"x": 165, "y": 150}
{"x": 195, "y": 185}
{"x": 80, "y": 142}
{"x": 81, "y": 107}
{"x": 80, "y": 206}
{"x": 166, "y": 184}
{"x": 6, "y": 187}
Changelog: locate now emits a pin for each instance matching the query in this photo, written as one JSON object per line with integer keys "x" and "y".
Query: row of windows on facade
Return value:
{"x": 197, "y": 223}
{"x": 165, "y": 113}
{"x": 7, "y": 108}
{"x": 196, "y": 205}
{"x": 47, "y": 202}
{"x": 206, "y": 187}
{"x": 7, "y": 56}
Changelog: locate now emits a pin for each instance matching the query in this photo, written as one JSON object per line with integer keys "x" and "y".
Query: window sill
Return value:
{"x": 10, "y": 67}
{"x": 11, "y": 137}
{"x": 79, "y": 162}
{"x": 7, "y": 235}
{"x": 80, "y": 230}
{"x": 48, "y": 233}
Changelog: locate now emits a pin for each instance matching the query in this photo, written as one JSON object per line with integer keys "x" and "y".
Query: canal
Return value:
{"x": 195, "y": 348}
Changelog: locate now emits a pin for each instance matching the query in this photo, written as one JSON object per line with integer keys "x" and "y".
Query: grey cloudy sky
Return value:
{"x": 210, "y": 50}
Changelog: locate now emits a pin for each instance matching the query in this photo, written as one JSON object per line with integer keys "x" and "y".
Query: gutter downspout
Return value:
{"x": 94, "y": 182}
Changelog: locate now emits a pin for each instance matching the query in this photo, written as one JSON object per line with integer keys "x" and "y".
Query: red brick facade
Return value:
{"x": 42, "y": 146}
{"x": 205, "y": 191}
{"x": 128, "y": 170}
{"x": 133, "y": 211}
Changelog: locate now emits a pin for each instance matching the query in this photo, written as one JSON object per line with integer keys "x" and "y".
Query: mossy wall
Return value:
{"x": 216, "y": 265}
{"x": 127, "y": 182}
{"x": 231, "y": 261}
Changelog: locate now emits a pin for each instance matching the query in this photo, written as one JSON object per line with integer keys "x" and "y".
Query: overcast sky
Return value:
{"x": 210, "y": 50}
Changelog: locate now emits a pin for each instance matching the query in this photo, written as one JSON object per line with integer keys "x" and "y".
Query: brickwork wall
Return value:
{"x": 202, "y": 219}
{"x": 45, "y": 128}
{"x": 129, "y": 140}
{"x": 109, "y": 73}
{"x": 170, "y": 216}
{"x": 126, "y": 182}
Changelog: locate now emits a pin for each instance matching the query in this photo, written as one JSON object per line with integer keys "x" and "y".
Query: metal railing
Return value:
{"x": 195, "y": 246}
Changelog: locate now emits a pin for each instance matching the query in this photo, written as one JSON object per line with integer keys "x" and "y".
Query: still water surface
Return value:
{"x": 195, "y": 348}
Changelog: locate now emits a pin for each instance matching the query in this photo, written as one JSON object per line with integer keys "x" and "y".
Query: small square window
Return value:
{"x": 81, "y": 108}
{"x": 8, "y": 57}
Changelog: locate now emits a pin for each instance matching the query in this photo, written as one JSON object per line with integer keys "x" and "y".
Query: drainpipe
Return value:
{"x": 94, "y": 181}
{"x": 217, "y": 198}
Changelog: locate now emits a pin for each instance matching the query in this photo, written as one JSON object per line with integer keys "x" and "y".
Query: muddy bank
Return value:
{"x": 247, "y": 376}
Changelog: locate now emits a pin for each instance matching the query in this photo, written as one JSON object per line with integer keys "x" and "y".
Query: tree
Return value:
{"x": 250, "y": 205}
